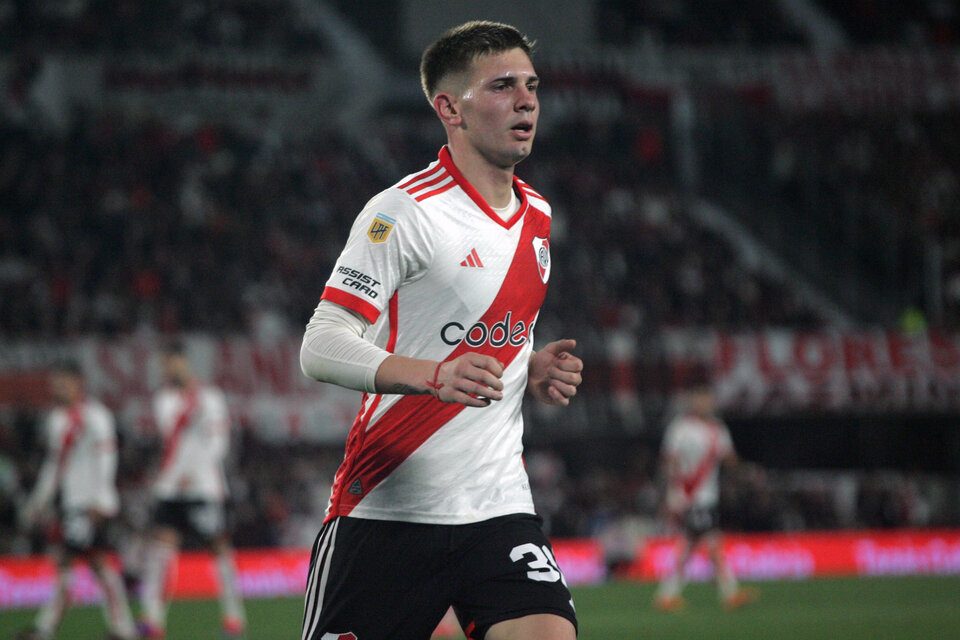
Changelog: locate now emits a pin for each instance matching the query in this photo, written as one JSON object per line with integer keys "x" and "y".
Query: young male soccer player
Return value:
{"x": 430, "y": 311}
{"x": 81, "y": 465}
{"x": 190, "y": 489}
{"x": 695, "y": 445}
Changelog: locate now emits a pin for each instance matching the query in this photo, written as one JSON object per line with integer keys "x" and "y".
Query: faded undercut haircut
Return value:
{"x": 456, "y": 50}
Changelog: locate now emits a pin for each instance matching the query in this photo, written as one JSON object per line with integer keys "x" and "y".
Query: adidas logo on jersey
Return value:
{"x": 472, "y": 260}
{"x": 356, "y": 488}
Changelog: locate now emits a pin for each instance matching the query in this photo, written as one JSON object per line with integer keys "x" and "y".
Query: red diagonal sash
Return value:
{"x": 406, "y": 425}
{"x": 70, "y": 437}
{"x": 693, "y": 481}
{"x": 172, "y": 444}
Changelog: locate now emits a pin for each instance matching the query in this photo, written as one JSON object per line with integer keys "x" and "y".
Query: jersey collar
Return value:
{"x": 464, "y": 184}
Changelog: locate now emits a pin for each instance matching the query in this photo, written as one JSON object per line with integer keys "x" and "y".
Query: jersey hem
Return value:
{"x": 430, "y": 518}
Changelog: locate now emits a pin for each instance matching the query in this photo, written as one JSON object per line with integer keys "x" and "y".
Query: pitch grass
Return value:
{"x": 925, "y": 608}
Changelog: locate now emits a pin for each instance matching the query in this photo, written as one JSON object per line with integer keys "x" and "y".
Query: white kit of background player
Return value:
{"x": 80, "y": 467}
{"x": 190, "y": 489}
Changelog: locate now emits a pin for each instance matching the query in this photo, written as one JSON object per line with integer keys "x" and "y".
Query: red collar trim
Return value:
{"x": 464, "y": 184}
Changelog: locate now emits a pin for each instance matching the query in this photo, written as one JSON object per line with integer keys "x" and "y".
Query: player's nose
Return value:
{"x": 526, "y": 100}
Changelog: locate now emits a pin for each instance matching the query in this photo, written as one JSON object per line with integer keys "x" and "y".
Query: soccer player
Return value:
{"x": 190, "y": 489}
{"x": 695, "y": 445}
{"x": 80, "y": 467}
{"x": 430, "y": 311}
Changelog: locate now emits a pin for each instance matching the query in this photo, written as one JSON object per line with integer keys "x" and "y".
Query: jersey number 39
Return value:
{"x": 543, "y": 566}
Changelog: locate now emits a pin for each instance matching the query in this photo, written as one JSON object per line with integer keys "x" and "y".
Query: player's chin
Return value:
{"x": 520, "y": 148}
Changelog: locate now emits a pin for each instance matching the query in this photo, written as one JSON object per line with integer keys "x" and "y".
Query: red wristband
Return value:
{"x": 435, "y": 385}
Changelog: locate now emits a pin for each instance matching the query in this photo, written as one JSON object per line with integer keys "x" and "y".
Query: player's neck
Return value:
{"x": 494, "y": 184}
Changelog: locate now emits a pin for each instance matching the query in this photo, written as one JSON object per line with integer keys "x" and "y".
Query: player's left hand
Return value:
{"x": 554, "y": 373}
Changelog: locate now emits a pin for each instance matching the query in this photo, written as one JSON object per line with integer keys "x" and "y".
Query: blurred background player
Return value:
{"x": 695, "y": 445}
{"x": 190, "y": 489}
{"x": 79, "y": 476}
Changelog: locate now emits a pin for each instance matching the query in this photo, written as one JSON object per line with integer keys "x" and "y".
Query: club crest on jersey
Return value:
{"x": 381, "y": 227}
{"x": 541, "y": 247}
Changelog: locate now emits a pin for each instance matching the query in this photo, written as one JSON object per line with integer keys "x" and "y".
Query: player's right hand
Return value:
{"x": 472, "y": 379}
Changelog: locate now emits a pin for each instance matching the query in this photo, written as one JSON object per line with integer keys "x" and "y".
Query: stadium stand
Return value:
{"x": 916, "y": 23}
{"x": 119, "y": 26}
{"x": 681, "y": 22}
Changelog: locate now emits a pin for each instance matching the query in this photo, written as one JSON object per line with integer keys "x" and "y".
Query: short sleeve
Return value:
{"x": 669, "y": 446}
{"x": 386, "y": 248}
{"x": 108, "y": 428}
{"x": 218, "y": 406}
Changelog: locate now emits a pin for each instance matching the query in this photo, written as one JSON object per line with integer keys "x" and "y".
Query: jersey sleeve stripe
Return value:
{"x": 438, "y": 191}
{"x": 352, "y": 302}
{"x": 423, "y": 175}
{"x": 426, "y": 185}
{"x": 531, "y": 192}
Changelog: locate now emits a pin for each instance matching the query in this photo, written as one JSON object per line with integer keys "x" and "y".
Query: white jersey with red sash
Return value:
{"x": 696, "y": 447}
{"x": 439, "y": 274}
{"x": 194, "y": 425}
{"x": 82, "y": 457}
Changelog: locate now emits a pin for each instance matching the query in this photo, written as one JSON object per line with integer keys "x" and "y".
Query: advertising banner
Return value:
{"x": 28, "y": 582}
{"x": 808, "y": 555}
{"x": 265, "y": 388}
{"x": 784, "y": 372}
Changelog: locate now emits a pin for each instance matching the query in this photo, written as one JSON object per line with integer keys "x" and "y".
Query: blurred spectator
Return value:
{"x": 161, "y": 25}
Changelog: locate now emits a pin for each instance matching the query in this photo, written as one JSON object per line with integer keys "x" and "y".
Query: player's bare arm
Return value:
{"x": 471, "y": 379}
{"x": 554, "y": 373}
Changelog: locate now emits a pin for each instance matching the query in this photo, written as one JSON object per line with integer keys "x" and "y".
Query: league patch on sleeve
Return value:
{"x": 381, "y": 227}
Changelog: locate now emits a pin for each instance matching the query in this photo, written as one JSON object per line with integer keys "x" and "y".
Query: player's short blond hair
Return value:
{"x": 456, "y": 49}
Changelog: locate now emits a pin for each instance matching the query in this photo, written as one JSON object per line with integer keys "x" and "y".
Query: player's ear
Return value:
{"x": 447, "y": 108}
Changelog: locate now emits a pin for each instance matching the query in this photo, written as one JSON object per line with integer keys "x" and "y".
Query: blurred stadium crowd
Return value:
{"x": 120, "y": 223}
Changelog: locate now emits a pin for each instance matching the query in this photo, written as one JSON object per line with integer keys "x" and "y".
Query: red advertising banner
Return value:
{"x": 807, "y": 555}
{"x": 28, "y": 582}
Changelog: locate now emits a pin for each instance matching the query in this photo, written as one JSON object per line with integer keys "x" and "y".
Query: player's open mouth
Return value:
{"x": 523, "y": 130}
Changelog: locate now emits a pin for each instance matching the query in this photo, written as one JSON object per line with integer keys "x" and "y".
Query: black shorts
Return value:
{"x": 381, "y": 580}
{"x": 699, "y": 521}
{"x": 204, "y": 519}
{"x": 81, "y": 534}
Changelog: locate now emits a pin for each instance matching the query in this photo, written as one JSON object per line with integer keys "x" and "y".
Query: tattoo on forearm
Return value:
{"x": 403, "y": 389}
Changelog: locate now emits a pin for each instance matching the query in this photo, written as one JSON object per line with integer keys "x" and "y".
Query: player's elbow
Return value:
{"x": 314, "y": 360}
{"x": 310, "y": 364}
